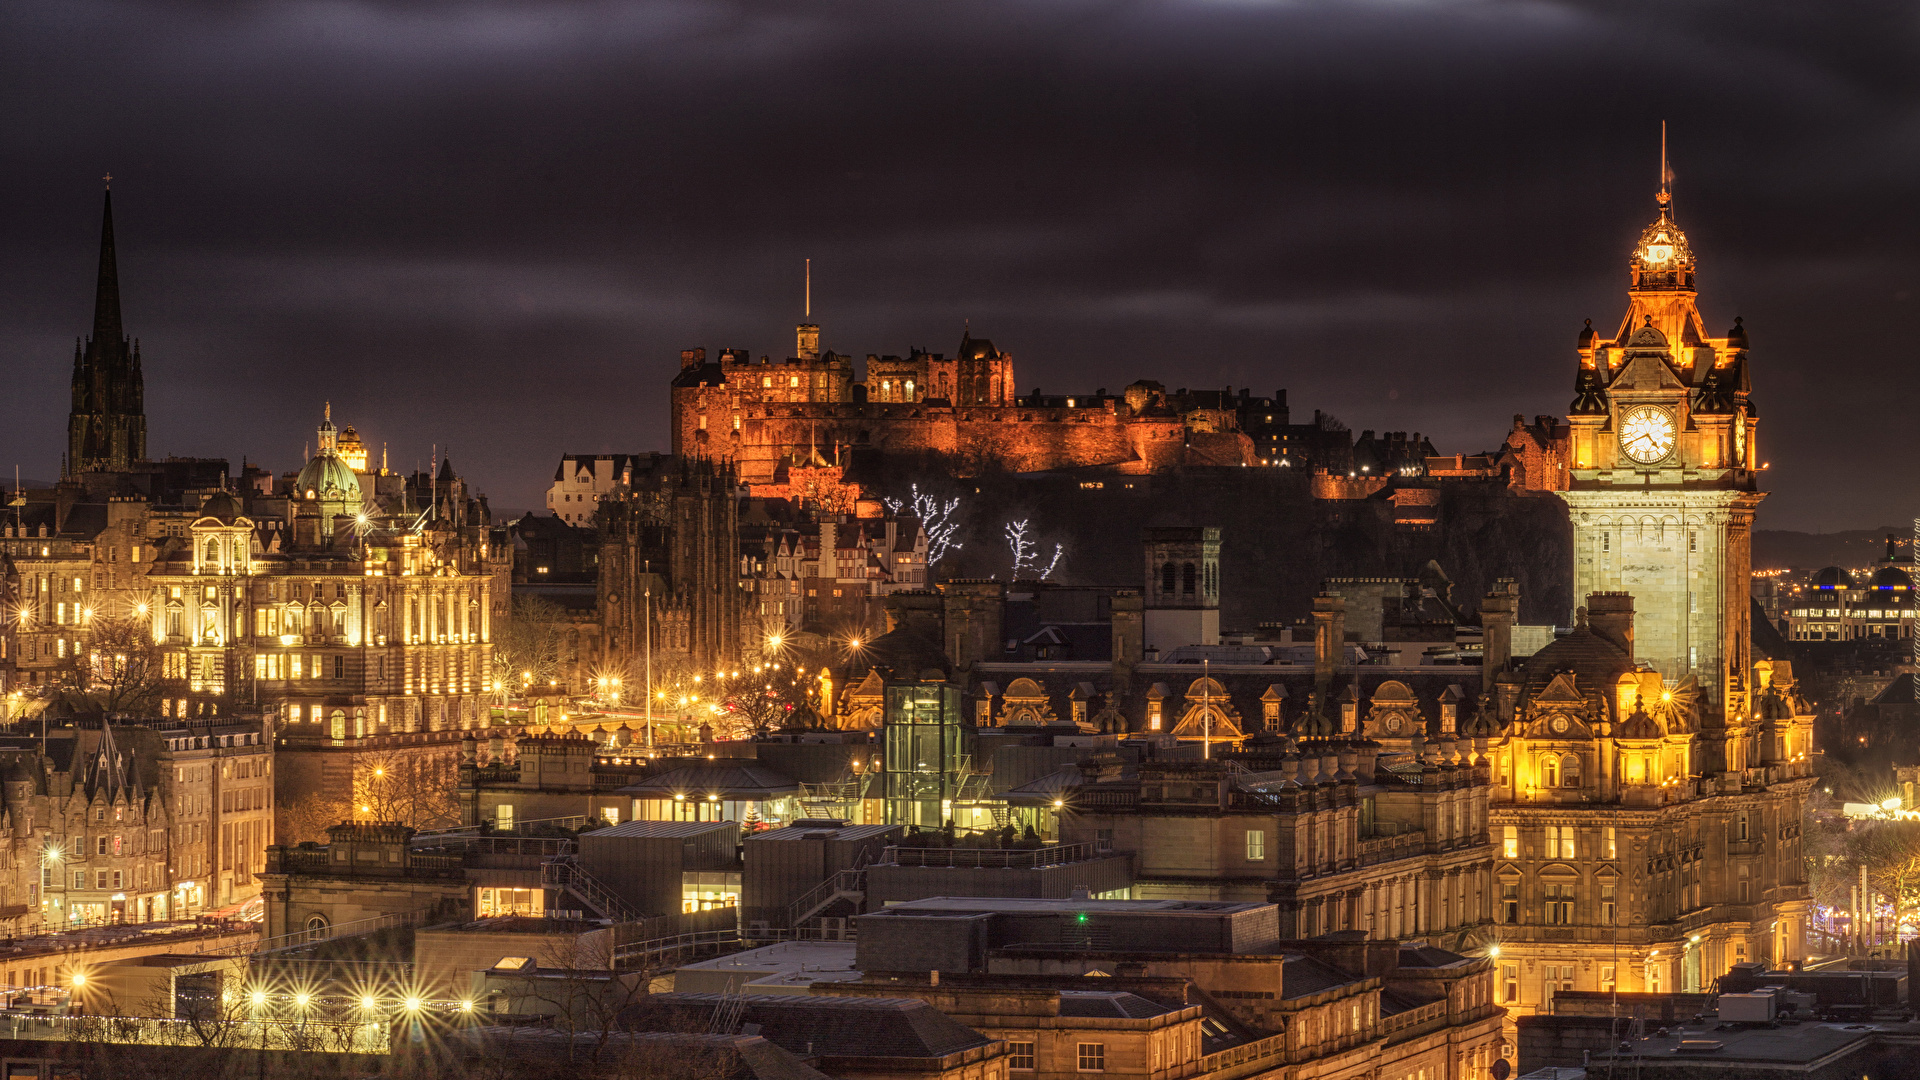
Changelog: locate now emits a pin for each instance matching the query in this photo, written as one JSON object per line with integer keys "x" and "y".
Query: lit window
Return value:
{"x": 1256, "y": 845}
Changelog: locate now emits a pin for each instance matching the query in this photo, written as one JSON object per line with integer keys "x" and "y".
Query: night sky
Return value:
{"x": 493, "y": 226}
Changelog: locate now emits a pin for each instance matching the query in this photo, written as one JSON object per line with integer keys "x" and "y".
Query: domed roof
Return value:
{"x": 328, "y": 477}
{"x": 221, "y": 506}
{"x": 1892, "y": 578}
{"x": 1594, "y": 661}
{"x": 1662, "y": 245}
{"x": 1833, "y": 578}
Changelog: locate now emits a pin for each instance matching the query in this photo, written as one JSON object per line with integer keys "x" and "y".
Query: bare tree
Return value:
{"x": 421, "y": 790}
{"x": 124, "y": 667}
{"x": 531, "y": 648}
{"x": 309, "y": 816}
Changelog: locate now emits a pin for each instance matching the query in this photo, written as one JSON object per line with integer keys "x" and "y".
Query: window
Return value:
{"x": 1570, "y": 771}
{"x": 1606, "y": 978}
{"x": 100, "y": 879}
{"x": 1510, "y": 902}
{"x": 1606, "y": 904}
{"x": 1256, "y": 845}
{"x": 116, "y": 879}
{"x": 1610, "y": 844}
{"x": 1510, "y": 842}
{"x": 79, "y": 879}
{"x": 1559, "y": 905}
{"x": 1741, "y": 824}
{"x": 1746, "y": 887}
{"x": 1560, "y": 842}
{"x": 100, "y": 845}
{"x": 1510, "y": 975}
{"x": 1093, "y": 1057}
{"x": 1020, "y": 1056}
{"x": 1555, "y": 978}
{"x": 1103, "y": 842}
{"x": 1550, "y": 771}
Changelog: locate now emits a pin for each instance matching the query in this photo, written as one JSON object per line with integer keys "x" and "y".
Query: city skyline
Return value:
{"x": 1183, "y": 207}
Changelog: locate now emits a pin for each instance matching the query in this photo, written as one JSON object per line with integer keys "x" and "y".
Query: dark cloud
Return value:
{"x": 493, "y": 225}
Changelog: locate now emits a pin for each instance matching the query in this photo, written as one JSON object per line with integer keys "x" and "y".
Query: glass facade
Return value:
{"x": 923, "y": 752}
{"x": 700, "y": 890}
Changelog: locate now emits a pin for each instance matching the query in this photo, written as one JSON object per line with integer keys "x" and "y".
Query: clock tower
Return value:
{"x": 1663, "y": 484}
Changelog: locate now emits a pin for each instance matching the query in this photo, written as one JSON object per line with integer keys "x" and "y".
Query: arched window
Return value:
{"x": 1550, "y": 771}
{"x": 909, "y": 386}
{"x": 317, "y": 927}
{"x": 213, "y": 553}
{"x": 338, "y": 722}
{"x": 1570, "y": 771}
{"x": 1186, "y": 579}
{"x": 1166, "y": 578}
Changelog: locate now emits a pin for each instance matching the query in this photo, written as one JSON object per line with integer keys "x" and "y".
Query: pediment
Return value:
{"x": 1561, "y": 691}
{"x": 1646, "y": 371}
{"x": 1558, "y": 870}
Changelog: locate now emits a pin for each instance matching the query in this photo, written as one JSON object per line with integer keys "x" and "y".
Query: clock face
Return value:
{"x": 1646, "y": 433}
{"x": 1559, "y": 725}
{"x": 1393, "y": 724}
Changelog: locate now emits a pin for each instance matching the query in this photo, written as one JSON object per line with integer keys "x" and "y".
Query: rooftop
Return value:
{"x": 1016, "y": 905}
{"x": 838, "y": 1026}
{"x": 789, "y": 967}
{"x": 663, "y": 829}
{"x": 1802, "y": 1044}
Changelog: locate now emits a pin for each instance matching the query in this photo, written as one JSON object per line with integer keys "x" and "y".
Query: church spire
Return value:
{"x": 106, "y": 296}
{"x": 107, "y": 426}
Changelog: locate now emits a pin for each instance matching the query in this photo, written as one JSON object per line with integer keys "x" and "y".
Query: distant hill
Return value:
{"x": 1778, "y": 549}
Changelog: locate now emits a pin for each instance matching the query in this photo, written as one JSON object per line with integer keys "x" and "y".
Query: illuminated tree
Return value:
{"x": 1026, "y": 555}
{"x": 935, "y": 517}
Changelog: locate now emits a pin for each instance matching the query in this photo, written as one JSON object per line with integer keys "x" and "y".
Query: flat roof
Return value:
{"x": 1800, "y": 1044}
{"x": 662, "y": 828}
{"x": 798, "y": 831}
{"x": 788, "y": 967}
{"x": 1029, "y": 905}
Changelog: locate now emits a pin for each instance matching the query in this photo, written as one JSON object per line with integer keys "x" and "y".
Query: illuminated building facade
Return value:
{"x": 1649, "y": 772}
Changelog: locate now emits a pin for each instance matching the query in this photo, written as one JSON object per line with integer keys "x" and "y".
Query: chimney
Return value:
{"x": 1329, "y": 638}
{"x": 1497, "y": 614}
{"x": 1610, "y": 615}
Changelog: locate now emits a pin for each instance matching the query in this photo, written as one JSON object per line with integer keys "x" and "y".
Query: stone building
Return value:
{"x": 1650, "y": 770}
{"x": 762, "y": 417}
{"x": 670, "y": 566}
{"x": 134, "y": 822}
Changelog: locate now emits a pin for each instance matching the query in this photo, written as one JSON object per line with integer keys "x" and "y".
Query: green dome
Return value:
{"x": 328, "y": 476}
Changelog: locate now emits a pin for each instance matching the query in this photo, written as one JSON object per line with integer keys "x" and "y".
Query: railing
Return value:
{"x": 311, "y": 1036}
{"x": 1010, "y": 859}
{"x": 770, "y": 934}
{"x": 435, "y": 862}
{"x": 841, "y": 883}
{"x": 356, "y": 928}
{"x": 565, "y": 873}
{"x": 546, "y": 847}
{"x": 675, "y": 946}
{"x": 305, "y": 861}
{"x": 1271, "y": 1046}
{"x": 572, "y": 823}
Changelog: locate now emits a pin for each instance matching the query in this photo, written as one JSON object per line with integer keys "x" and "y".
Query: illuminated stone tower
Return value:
{"x": 107, "y": 427}
{"x": 1663, "y": 488}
